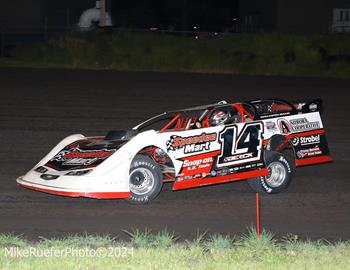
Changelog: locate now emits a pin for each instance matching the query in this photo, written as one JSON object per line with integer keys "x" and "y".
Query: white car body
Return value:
{"x": 110, "y": 178}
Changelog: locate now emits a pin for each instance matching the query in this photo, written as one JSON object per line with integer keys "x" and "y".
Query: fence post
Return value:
{"x": 257, "y": 202}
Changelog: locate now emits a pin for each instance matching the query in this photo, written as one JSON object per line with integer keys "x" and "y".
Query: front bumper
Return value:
{"x": 70, "y": 192}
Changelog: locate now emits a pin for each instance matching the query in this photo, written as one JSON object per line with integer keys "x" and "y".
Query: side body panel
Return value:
{"x": 304, "y": 133}
{"x": 216, "y": 154}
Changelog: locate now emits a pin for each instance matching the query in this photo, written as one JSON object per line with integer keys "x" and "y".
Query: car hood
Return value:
{"x": 84, "y": 154}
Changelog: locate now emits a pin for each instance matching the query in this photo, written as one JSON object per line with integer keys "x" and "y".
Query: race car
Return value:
{"x": 261, "y": 141}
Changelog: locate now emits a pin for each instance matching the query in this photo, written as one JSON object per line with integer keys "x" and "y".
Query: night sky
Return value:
{"x": 208, "y": 15}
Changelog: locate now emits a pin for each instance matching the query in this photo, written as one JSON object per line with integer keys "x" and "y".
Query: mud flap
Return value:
{"x": 310, "y": 148}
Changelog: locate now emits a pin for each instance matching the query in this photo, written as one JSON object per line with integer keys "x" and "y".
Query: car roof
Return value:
{"x": 202, "y": 107}
{"x": 252, "y": 103}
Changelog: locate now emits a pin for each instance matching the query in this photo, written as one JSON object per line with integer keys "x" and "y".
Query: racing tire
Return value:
{"x": 280, "y": 174}
{"x": 145, "y": 180}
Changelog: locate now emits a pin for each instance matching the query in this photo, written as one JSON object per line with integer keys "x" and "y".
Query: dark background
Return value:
{"x": 287, "y": 16}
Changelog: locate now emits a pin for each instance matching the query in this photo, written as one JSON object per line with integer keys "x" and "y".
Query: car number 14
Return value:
{"x": 243, "y": 147}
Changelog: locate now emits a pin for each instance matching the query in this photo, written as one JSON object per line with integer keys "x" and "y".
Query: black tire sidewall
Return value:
{"x": 145, "y": 162}
{"x": 260, "y": 185}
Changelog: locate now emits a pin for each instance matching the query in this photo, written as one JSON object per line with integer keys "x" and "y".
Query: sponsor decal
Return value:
{"x": 296, "y": 125}
{"x": 198, "y": 164}
{"x": 94, "y": 154}
{"x": 284, "y": 126}
{"x": 313, "y": 107}
{"x": 78, "y": 157}
{"x": 307, "y": 140}
{"x": 302, "y": 124}
{"x": 60, "y": 156}
{"x": 295, "y": 141}
{"x": 310, "y": 140}
{"x": 213, "y": 173}
{"x": 191, "y": 144}
{"x": 82, "y": 154}
{"x": 222, "y": 172}
{"x": 274, "y": 115}
{"x": 309, "y": 152}
{"x": 79, "y": 161}
{"x": 270, "y": 125}
{"x": 232, "y": 170}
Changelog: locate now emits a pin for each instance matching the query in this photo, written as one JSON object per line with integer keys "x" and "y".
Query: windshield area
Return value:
{"x": 201, "y": 118}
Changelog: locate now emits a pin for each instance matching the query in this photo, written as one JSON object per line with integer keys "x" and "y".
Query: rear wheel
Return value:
{"x": 279, "y": 177}
{"x": 145, "y": 180}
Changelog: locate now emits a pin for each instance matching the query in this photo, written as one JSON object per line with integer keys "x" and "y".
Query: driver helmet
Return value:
{"x": 218, "y": 118}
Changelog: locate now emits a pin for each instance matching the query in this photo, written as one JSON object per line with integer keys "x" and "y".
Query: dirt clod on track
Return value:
{"x": 40, "y": 107}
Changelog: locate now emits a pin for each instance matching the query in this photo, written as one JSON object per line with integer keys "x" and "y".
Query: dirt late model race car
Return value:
{"x": 260, "y": 140}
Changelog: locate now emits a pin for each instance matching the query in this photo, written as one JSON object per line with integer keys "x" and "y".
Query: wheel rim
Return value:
{"x": 141, "y": 181}
{"x": 277, "y": 174}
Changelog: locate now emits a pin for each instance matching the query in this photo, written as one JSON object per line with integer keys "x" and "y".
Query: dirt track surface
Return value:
{"x": 40, "y": 107}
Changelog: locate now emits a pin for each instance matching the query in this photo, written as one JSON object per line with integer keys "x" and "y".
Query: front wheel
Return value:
{"x": 145, "y": 180}
{"x": 279, "y": 177}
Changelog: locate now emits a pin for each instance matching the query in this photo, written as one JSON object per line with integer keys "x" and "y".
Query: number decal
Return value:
{"x": 240, "y": 148}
